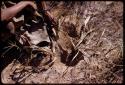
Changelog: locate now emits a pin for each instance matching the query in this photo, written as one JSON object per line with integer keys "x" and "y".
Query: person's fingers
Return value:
{"x": 32, "y": 4}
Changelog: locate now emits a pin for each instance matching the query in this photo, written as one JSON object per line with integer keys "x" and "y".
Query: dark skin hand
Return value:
{"x": 8, "y": 13}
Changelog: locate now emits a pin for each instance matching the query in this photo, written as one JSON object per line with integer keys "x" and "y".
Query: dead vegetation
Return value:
{"x": 88, "y": 48}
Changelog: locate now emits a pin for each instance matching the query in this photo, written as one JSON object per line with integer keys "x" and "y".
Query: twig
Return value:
{"x": 72, "y": 43}
{"x": 83, "y": 37}
{"x": 87, "y": 20}
{"x": 90, "y": 39}
{"x": 65, "y": 71}
{"x": 75, "y": 55}
{"x": 110, "y": 50}
{"x": 100, "y": 37}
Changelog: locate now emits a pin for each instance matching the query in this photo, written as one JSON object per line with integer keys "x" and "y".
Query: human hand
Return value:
{"x": 9, "y": 13}
{"x": 31, "y": 3}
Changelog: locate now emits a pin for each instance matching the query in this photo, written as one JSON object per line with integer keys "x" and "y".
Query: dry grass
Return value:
{"x": 100, "y": 47}
{"x": 94, "y": 29}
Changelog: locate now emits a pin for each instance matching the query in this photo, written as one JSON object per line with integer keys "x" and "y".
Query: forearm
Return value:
{"x": 8, "y": 13}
